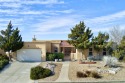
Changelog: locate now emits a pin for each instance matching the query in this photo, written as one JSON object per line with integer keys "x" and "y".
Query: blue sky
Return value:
{"x": 53, "y": 19}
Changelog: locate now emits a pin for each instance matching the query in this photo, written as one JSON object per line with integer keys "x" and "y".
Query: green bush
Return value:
{"x": 39, "y": 72}
{"x": 1, "y": 65}
{"x": 60, "y": 55}
{"x": 3, "y": 61}
{"x": 46, "y": 73}
{"x": 47, "y": 56}
{"x": 50, "y": 56}
{"x": 53, "y": 56}
{"x": 3, "y": 57}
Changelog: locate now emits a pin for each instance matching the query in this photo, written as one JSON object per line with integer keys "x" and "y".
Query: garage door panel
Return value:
{"x": 29, "y": 55}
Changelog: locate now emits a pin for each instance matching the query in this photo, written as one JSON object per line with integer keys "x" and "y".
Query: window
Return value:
{"x": 104, "y": 51}
{"x": 90, "y": 52}
{"x": 56, "y": 49}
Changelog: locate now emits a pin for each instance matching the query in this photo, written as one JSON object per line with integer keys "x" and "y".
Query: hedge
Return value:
{"x": 53, "y": 56}
{"x": 39, "y": 72}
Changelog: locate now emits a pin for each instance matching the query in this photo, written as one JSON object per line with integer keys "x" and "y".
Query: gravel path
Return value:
{"x": 75, "y": 66}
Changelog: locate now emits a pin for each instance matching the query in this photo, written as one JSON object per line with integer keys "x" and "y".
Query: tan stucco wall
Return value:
{"x": 86, "y": 53}
{"x": 55, "y": 45}
{"x": 48, "y": 47}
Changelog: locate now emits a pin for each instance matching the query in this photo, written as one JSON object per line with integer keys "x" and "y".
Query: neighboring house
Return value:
{"x": 2, "y": 52}
{"x": 37, "y": 49}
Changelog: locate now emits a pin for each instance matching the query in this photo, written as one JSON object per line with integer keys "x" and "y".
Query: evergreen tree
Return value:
{"x": 122, "y": 43}
{"x": 80, "y": 37}
{"x": 101, "y": 42}
{"x": 120, "y": 51}
{"x": 10, "y": 39}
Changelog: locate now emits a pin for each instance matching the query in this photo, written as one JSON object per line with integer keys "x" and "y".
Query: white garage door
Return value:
{"x": 29, "y": 55}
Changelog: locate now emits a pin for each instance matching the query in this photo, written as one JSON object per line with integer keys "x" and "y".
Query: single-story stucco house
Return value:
{"x": 36, "y": 50}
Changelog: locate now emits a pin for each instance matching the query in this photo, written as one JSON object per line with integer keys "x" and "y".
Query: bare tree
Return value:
{"x": 116, "y": 34}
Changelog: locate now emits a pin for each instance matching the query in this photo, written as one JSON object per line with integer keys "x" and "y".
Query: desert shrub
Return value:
{"x": 95, "y": 75}
{"x": 110, "y": 61}
{"x": 84, "y": 75}
{"x": 39, "y": 72}
{"x": 81, "y": 74}
{"x": 88, "y": 73}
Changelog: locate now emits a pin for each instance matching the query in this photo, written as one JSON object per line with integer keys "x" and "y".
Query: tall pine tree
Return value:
{"x": 101, "y": 42}
{"x": 80, "y": 37}
{"x": 10, "y": 39}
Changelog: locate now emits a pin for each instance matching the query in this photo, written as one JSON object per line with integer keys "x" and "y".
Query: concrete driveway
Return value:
{"x": 17, "y": 72}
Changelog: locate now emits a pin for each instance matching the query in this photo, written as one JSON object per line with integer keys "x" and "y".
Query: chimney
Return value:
{"x": 34, "y": 39}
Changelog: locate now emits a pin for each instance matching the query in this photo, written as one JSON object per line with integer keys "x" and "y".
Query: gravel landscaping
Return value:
{"x": 74, "y": 67}
{"x": 54, "y": 77}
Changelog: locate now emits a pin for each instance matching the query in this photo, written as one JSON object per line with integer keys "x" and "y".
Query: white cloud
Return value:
{"x": 26, "y": 11}
{"x": 10, "y": 5}
{"x": 46, "y": 33}
{"x": 107, "y": 29}
{"x": 46, "y": 2}
{"x": 65, "y": 11}
{"x": 9, "y": 0}
{"x": 102, "y": 29}
{"x": 55, "y": 23}
{"x": 30, "y": 2}
{"x": 9, "y": 11}
{"x": 108, "y": 18}
{"x": 32, "y": 12}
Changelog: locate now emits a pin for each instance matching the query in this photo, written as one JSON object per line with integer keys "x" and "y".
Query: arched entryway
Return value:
{"x": 67, "y": 49}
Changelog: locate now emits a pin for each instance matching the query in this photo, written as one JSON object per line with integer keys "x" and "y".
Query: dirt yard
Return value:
{"x": 75, "y": 66}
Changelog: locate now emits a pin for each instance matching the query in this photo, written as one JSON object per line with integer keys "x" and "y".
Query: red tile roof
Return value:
{"x": 64, "y": 43}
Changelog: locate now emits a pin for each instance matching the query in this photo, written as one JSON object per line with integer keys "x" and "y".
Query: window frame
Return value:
{"x": 104, "y": 52}
{"x": 55, "y": 49}
{"x": 90, "y": 51}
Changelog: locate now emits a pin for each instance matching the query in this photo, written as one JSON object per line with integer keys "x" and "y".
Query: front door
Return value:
{"x": 67, "y": 54}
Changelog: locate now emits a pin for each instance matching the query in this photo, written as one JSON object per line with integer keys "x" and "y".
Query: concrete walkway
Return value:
{"x": 64, "y": 73}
